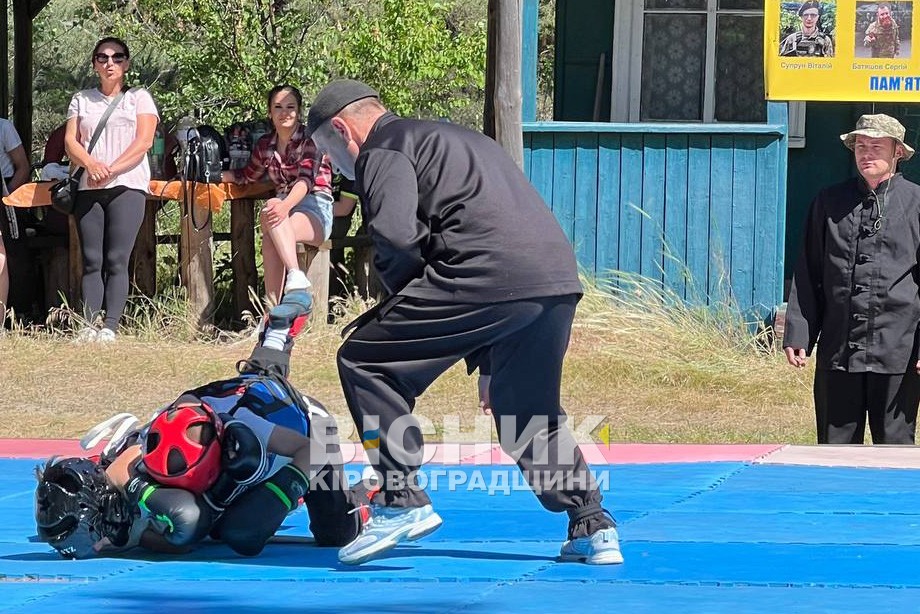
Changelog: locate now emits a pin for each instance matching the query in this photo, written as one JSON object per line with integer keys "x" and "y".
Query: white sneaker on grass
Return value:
{"x": 86, "y": 335}
{"x": 600, "y": 548}
{"x": 106, "y": 335}
{"x": 387, "y": 527}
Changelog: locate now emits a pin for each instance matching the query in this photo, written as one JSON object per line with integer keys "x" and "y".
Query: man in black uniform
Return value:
{"x": 856, "y": 285}
{"x": 475, "y": 267}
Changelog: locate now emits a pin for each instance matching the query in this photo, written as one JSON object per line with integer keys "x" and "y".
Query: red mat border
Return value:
{"x": 475, "y": 453}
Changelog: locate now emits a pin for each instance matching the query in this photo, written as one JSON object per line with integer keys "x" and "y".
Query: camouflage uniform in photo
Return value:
{"x": 817, "y": 44}
{"x": 886, "y": 43}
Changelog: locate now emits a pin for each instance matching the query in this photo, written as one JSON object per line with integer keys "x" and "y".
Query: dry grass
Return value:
{"x": 654, "y": 370}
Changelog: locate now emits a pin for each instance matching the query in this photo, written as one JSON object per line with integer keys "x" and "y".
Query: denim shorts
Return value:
{"x": 319, "y": 206}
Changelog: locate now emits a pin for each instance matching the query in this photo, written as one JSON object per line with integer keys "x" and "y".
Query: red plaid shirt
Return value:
{"x": 299, "y": 162}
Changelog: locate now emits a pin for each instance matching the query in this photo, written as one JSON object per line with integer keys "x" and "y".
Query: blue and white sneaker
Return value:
{"x": 294, "y": 304}
{"x": 286, "y": 320}
{"x": 387, "y": 527}
{"x": 601, "y": 548}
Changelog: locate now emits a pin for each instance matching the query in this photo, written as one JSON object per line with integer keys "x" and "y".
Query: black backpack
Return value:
{"x": 207, "y": 155}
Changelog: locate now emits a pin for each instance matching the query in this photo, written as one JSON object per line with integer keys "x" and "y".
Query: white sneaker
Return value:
{"x": 86, "y": 335}
{"x": 387, "y": 527}
{"x": 106, "y": 335}
{"x": 601, "y": 548}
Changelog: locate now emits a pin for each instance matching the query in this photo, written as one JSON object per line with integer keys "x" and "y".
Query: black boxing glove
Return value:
{"x": 243, "y": 461}
{"x": 242, "y": 454}
{"x": 184, "y": 516}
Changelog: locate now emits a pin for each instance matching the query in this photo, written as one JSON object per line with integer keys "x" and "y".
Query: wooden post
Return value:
{"x": 5, "y": 59}
{"x": 196, "y": 269}
{"x": 75, "y": 264}
{"x": 315, "y": 262}
{"x": 337, "y": 274}
{"x": 22, "y": 71}
{"x": 143, "y": 265}
{"x": 24, "y": 12}
{"x": 502, "y": 114}
{"x": 56, "y": 270}
{"x": 243, "y": 254}
{"x": 366, "y": 280}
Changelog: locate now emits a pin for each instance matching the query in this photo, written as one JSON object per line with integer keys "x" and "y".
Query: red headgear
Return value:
{"x": 172, "y": 458}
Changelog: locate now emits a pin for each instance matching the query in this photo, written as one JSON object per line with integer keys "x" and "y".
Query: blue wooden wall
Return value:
{"x": 698, "y": 207}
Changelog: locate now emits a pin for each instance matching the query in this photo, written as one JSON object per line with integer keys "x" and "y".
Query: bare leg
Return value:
{"x": 279, "y": 248}
{"x": 4, "y": 282}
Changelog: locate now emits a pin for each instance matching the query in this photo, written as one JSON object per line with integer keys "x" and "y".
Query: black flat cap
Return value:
{"x": 333, "y": 98}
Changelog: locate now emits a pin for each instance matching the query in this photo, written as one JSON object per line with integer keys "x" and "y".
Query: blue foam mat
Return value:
{"x": 697, "y": 537}
{"x": 775, "y": 527}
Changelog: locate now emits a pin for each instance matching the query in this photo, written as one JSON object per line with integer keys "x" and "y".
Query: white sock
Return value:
{"x": 275, "y": 338}
{"x": 296, "y": 280}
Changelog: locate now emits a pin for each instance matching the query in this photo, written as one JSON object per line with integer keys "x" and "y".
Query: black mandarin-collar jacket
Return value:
{"x": 453, "y": 219}
{"x": 856, "y": 286}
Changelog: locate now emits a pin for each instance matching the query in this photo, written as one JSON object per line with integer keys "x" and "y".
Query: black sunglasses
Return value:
{"x": 103, "y": 58}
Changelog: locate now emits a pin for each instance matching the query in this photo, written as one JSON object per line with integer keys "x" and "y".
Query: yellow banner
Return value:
{"x": 841, "y": 50}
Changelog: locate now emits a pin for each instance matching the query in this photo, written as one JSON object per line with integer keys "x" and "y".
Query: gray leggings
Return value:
{"x": 108, "y": 221}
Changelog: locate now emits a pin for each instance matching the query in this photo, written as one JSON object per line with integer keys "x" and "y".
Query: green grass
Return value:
{"x": 652, "y": 368}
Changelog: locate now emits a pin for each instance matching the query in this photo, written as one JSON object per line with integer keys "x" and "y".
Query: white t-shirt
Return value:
{"x": 119, "y": 132}
{"x": 9, "y": 140}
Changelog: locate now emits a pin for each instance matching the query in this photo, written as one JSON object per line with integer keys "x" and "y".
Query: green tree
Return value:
{"x": 424, "y": 59}
{"x": 218, "y": 58}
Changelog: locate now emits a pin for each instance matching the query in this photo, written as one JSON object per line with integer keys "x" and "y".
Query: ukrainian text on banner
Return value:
{"x": 841, "y": 50}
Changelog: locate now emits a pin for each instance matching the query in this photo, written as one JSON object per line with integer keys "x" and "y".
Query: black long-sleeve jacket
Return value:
{"x": 856, "y": 281}
{"x": 453, "y": 219}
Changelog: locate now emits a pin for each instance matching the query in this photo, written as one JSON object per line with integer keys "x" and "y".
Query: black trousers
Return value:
{"x": 843, "y": 400}
{"x": 390, "y": 359}
{"x": 108, "y": 221}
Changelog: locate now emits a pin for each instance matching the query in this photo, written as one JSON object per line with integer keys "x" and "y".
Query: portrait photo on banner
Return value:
{"x": 807, "y": 29}
{"x": 883, "y": 29}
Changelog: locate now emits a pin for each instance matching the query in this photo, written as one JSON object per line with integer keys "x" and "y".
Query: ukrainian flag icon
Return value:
{"x": 371, "y": 439}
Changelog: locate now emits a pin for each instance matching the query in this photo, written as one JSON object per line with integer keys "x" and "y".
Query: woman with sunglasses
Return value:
{"x": 113, "y": 189}
{"x": 301, "y": 211}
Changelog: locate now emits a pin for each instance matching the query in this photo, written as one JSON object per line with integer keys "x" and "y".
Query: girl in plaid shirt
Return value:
{"x": 301, "y": 211}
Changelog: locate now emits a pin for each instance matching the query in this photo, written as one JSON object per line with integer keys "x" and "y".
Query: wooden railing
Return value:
{"x": 62, "y": 263}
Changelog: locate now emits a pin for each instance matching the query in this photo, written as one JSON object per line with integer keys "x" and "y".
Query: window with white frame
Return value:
{"x": 689, "y": 60}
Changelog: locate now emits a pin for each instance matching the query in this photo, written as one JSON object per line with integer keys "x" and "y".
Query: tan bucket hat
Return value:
{"x": 878, "y": 126}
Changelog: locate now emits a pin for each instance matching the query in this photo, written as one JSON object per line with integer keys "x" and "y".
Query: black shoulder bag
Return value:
{"x": 64, "y": 192}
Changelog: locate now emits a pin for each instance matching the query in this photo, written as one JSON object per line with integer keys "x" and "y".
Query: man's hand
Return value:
{"x": 917, "y": 366}
{"x": 275, "y": 211}
{"x": 485, "y": 403}
{"x": 796, "y": 357}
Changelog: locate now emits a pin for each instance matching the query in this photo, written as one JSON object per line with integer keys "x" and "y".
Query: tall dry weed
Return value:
{"x": 654, "y": 368}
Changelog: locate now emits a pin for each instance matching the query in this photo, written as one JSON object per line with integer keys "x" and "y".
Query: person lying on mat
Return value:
{"x": 230, "y": 459}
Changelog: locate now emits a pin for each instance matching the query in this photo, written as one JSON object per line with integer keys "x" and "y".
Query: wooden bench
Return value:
{"x": 196, "y": 237}
{"x": 317, "y": 263}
